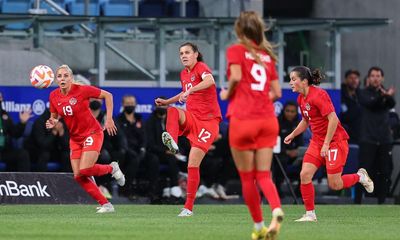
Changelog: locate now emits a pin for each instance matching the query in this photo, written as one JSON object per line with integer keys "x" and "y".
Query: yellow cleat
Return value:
{"x": 259, "y": 235}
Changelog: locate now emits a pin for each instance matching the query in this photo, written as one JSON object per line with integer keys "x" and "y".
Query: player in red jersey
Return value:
{"x": 71, "y": 102}
{"x": 199, "y": 122}
{"x": 253, "y": 129}
{"x": 328, "y": 145}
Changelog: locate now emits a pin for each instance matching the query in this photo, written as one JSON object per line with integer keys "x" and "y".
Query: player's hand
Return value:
{"x": 288, "y": 139}
{"x": 109, "y": 125}
{"x": 223, "y": 94}
{"x": 324, "y": 150}
{"x": 25, "y": 115}
{"x": 59, "y": 127}
{"x": 183, "y": 97}
{"x": 161, "y": 102}
{"x": 51, "y": 122}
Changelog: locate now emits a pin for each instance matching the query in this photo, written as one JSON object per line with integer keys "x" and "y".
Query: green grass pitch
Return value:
{"x": 348, "y": 222}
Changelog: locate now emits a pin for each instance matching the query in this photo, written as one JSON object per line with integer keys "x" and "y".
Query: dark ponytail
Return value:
{"x": 314, "y": 77}
{"x": 195, "y": 49}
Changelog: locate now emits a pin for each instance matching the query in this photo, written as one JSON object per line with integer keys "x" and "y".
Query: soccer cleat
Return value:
{"x": 365, "y": 180}
{"x": 308, "y": 217}
{"x": 169, "y": 142}
{"x": 259, "y": 235}
{"x": 275, "y": 226}
{"x": 185, "y": 213}
{"x": 106, "y": 208}
{"x": 117, "y": 174}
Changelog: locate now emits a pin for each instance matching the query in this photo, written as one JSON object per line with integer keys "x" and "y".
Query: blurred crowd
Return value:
{"x": 151, "y": 170}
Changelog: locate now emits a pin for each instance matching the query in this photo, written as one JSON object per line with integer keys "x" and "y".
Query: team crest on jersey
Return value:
{"x": 308, "y": 107}
{"x": 73, "y": 101}
{"x": 192, "y": 78}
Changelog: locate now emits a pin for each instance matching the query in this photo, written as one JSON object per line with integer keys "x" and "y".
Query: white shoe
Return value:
{"x": 117, "y": 174}
{"x": 185, "y": 213}
{"x": 220, "y": 190}
{"x": 365, "y": 180}
{"x": 308, "y": 217}
{"x": 278, "y": 214}
{"x": 169, "y": 142}
{"x": 106, "y": 208}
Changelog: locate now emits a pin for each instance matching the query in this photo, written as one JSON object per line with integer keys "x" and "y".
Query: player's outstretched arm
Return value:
{"x": 166, "y": 102}
{"x": 109, "y": 125}
{"x": 234, "y": 78}
{"x": 301, "y": 127}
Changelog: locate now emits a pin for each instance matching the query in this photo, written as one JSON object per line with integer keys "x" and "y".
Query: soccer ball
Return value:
{"x": 41, "y": 76}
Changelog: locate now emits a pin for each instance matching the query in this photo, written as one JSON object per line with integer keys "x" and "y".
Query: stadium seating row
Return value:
{"x": 147, "y": 8}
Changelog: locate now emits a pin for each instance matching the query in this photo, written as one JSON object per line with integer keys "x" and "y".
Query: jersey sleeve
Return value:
{"x": 203, "y": 70}
{"x": 91, "y": 92}
{"x": 324, "y": 104}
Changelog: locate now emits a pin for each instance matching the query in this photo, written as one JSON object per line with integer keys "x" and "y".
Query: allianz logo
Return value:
{"x": 12, "y": 189}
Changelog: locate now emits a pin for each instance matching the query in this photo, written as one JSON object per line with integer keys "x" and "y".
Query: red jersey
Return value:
{"x": 202, "y": 104}
{"x": 250, "y": 99}
{"x": 74, "y": 108}
{"x": 315, "y": 108}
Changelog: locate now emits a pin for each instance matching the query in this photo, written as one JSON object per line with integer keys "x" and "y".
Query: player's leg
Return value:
{"x": 263, "y": 158}
{"x": 196, "y": 155}
{"x": 307, "y": 189}
{"x": 244, "y": 161}
{"x": 175, "y": 118}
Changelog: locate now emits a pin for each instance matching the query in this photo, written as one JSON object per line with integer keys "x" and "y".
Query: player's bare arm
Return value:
{"x": 301, "y": 127}
{"x": 109, "y": 125}
{"x": 235, "y": 77}
{"x": 276, "y": 90}
{"x": 332, "y": 125}
{"x": 166, "y": 102}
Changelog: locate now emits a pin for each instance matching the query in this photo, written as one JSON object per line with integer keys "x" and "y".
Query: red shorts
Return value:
{"x": 90, "y": 143}
{"x": 336, "y": 159}
{"x": 253, "y": 134}
{"x": 201, "y": 134}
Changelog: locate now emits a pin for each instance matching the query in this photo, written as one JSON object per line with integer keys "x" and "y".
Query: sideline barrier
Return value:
{"x": 41, "y": 188}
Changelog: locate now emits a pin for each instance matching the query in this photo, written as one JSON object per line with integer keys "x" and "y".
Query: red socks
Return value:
{"x": 192, "y": 185}
{"x": 90, "y": 187}
{"x": 308, "y": 195}
{"x": 350, "y": 180}
{"x": 173, "y": 123}
{"x": 96, "y": 170}
{"x": 251, "y": 195}
{"x": 268, "y": 188}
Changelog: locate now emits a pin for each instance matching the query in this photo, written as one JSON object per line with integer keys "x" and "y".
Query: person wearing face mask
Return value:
{"x": 154, "y": 127}
{"x": 376, "y": 139}
{"x": 16, "y": 159}
{"x": 136, "y": 156}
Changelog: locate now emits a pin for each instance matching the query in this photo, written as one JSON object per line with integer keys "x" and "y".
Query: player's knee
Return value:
{"x": 335, "y": 185}
{"x": 305, "y": 176}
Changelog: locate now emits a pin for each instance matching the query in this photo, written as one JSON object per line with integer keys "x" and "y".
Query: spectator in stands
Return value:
{"x": 350, "y": 115}
{"x": 154, "y": 127}
{"x": 136, "y": 157}
{"x": 16, "y": 159}
{"x": 376, "y": 138}
{"x": 70, "y": 101}
{"x": 252, "y": 87}
{"x": 199, "y": 122}
{"x": 288, "y": 120}
{"x": 49, "y": 146}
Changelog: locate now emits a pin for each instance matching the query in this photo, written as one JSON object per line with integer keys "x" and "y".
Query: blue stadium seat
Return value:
{"x": 352, "y": 160}
{"x": 153, "y": 8}
{"x": 16, "y": 6}
{"x": 77, "y": 7}
{"x": 192, "y": 9}
{"x": 3, "y": 166}
{"x": 123, "y": 8}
